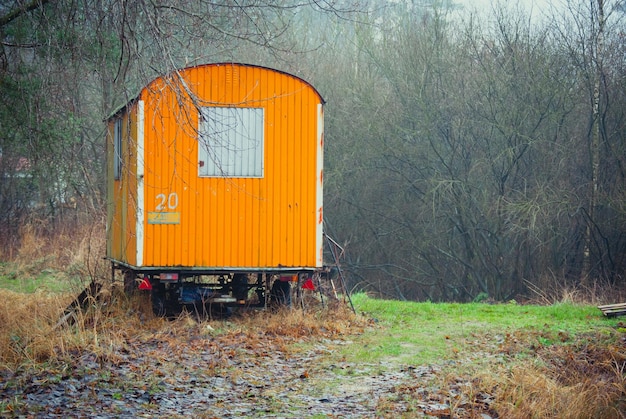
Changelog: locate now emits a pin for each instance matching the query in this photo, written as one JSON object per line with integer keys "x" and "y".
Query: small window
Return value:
{"x": 117, "y": 150}
{"x": 230, "y": 142}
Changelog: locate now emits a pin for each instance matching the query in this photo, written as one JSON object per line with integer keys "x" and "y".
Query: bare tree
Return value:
{"x": 473, "y": 162}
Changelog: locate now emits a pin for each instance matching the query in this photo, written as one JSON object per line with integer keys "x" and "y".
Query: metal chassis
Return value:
{"x": 210, "y": 290}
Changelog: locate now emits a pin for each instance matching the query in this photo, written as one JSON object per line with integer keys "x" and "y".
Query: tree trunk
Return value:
{"x": 594, "y": 147}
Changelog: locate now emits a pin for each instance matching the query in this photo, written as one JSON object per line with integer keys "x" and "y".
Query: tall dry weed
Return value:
{"x": 85, "y": 252}
{"x": 296, "y": 323}
{"x": 35, "y": 330}
{"x": 531, "y": 393}
{"x": 550, "y": 290}
{"x": 26, "y": 327}
{"x": 71, "y": 248}
{"x": 581, "y": 381}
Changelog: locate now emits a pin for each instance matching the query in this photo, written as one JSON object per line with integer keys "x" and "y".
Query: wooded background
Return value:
{"x": 467, "y": 155}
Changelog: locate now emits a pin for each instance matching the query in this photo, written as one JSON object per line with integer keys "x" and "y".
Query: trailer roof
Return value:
{"x": 121, "y": 108}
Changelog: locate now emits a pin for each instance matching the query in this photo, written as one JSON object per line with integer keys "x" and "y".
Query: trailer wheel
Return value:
{"x": 130, "y": 284}
{"x": 158, "y": 300}
{"x": 218, "y": 311}
{"x": 280, "y": 294}
{"x": 164, "y": 302}
{"x": 240, "y": 286}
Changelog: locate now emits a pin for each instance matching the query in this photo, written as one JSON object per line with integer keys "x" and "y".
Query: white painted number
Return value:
{"x": 160, "y": 202}
{"x": 166, "y": 201}
{"x": 172, "y": 200}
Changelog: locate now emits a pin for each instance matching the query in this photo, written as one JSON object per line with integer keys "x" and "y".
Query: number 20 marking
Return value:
{"x": 167, "y": 201}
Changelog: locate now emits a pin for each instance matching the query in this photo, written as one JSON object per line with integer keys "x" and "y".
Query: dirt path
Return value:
{"x": 241, "y": 374}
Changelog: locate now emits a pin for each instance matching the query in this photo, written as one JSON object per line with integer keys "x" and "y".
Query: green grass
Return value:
{"x": 412, "y": 333}
{"x": 27, "y": 280}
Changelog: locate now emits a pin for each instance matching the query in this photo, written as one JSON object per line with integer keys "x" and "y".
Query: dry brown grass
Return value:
{"x": 583, "y": 380}
{"x": 25, "y": 327}
{"x": 586, "y": 379}
{"x": 552, "y": 290}
{"x": 298, "y": 324}
{"x": 73, "y": 249}
{"x": 31, "y": 334}
{"x": 64, "y": 257}
{"x": 532, "y": 393}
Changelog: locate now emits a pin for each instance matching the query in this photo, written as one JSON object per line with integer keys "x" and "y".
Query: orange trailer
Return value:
{"x": 216, "y": 171}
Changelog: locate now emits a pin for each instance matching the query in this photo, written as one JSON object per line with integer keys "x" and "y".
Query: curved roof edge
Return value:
{"x": 136, "y": 96}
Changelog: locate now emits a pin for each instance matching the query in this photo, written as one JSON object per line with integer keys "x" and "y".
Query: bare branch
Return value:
{"x": 14, "y": 14}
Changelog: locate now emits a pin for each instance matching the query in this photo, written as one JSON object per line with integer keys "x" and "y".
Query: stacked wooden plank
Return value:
{"x": 612, "y": 310}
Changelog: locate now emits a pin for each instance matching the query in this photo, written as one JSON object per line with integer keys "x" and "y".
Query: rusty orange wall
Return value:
{"x": 269, "y": 222}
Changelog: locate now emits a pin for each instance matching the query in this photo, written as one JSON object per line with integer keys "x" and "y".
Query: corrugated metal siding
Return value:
{"x": 121, "y": 194}
{"x": 227, "y": 222}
